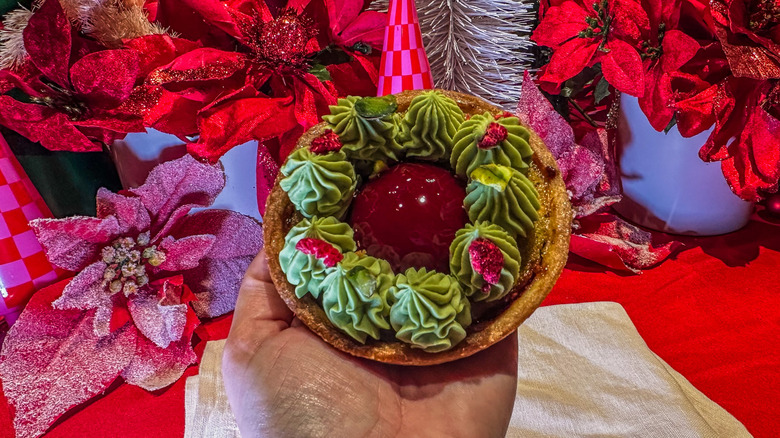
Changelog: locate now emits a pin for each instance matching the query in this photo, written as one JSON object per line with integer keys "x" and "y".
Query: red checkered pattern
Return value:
{"x": 23, "y": 264}
{"x": 404, "y": 63}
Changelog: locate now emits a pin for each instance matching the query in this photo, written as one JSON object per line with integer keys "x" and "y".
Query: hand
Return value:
{"x": 284, "y": 381}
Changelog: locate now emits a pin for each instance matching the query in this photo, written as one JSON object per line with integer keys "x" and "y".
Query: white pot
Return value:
{"x": 140, "y": 152}
{"x": 667, "y": 187}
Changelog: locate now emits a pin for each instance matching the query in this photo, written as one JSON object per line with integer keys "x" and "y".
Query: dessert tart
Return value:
{"x": 417, "y": 228}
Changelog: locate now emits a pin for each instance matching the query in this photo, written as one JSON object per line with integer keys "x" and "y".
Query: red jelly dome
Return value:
{"x": 409, "y": 216}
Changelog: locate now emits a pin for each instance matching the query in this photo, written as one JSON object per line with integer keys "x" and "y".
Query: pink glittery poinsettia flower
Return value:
{"x": 590, "y": 172}
{"x": 145, "y": 266}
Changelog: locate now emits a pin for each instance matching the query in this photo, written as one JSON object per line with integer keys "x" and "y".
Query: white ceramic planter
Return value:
{"x": 667, "y": 187}
{"x": 138, "y": 153}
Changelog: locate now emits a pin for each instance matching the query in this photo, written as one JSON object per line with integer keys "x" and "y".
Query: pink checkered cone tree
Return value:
{"x": 404, "y": 64}
{"x": 23, "y": 264}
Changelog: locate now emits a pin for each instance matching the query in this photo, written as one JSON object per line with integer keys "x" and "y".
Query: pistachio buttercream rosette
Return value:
{"x": 428, "y": 127}
{"x": 485, "y": 139}
{"x": 366, "y": 126}
{"x": 306, "y": 271}
{"x": 429, "y": 311}
{"x": 319, "y": 184}
{"x": 355, "y": 296}
{"x": 503, "y": 196}
{"x": 503, "y": 262}
{"x": 481, "y": 282}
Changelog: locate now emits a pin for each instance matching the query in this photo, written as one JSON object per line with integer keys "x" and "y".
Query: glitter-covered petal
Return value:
{"x": 74, "y": 243}
{"x": 101, "y": 323}
{"x": 129, "y": 211}
{"x": 42, "y": 124}
{"x": 47, "y": 39}
{"x": 52, "y": 361}
{"x": 154, "y": 368}
{"x": 201, "y": 64}
{"x": 216, "y": 280}
{"x": 105, "y": 78}
{"x": 162, "y": 324}
{"x": 536, "y": 112}
{"x": 85, "y": 291}
{"x": 588, "y": 169}
{"x": 613, "y": 242}
{"x": 181, "y": 183}
{"x": 185, "y": 253}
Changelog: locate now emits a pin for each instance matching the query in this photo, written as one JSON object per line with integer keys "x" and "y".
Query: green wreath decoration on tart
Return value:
{"x": 417, "y": 228}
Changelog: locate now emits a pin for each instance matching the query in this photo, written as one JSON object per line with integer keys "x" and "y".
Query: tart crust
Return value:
{"x": 543, "y": 253}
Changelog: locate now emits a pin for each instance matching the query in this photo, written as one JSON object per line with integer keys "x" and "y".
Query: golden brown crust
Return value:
{"x": 544, "y": 256}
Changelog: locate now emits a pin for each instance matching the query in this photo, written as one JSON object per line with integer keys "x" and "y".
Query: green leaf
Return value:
{"x": 670, "y": 125}
{"x": 363, "y": 280}
{"x": 602, "y": 90}
{"x": 320, "y": 72}
{"x": 376, "y": 107}
{"x": 492, "y": 175}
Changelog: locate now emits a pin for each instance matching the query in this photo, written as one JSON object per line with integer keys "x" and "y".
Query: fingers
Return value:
{"x": 259, "y": 313}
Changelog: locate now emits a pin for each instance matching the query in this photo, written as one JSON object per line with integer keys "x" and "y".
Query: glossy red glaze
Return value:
{"x": 409, "y": 216}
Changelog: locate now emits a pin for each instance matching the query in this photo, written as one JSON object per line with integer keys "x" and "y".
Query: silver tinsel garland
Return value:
{"x": 480, "y": 47}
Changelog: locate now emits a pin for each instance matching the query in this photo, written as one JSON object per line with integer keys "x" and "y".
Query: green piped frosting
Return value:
{"x": 429, "y": 310}
{"x": 307, "y": 272}
{"x": 513, "y": 152}
{"x": 430, "y": 123}
{"x": 502, "y": 196}
{"x": 354, "y": 296}
{"x": 319, "y": 185}
{"x": 474, "y": 285}
{"x": 366, "y": 126}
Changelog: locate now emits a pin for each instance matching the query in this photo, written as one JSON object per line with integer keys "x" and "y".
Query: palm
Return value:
{"x": 282, "y": 380}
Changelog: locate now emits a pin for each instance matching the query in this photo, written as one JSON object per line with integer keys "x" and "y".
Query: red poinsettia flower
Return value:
{"x": 160, "y": 108}
{"x": 665, "y": 51}
{"x": 73, "y": 88}
{"x": 291, "y": 63}
{"x": 746, "y": 137}
{"x": 127, "y": 312}
{"x": 582, "y": 34}
{"x": 749, "y": 31}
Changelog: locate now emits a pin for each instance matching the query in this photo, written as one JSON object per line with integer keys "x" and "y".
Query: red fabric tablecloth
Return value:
{"x": 712, "y": 313}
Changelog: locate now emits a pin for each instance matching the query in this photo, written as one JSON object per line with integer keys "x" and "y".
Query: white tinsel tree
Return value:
{"x": 480, "y": 47}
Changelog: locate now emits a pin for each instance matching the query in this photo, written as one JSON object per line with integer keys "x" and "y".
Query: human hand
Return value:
{"x": 284, "y": 381}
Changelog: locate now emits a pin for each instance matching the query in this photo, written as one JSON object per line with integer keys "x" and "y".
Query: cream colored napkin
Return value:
{"x": 206, "y": 409}
{"x": 583, "y": 371}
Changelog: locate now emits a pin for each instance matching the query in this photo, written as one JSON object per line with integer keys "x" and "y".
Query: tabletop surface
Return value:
{"x": 712, "y": 312}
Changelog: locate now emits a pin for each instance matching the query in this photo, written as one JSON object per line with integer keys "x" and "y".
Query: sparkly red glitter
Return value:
{"x": 216, "y": 69}
{"x": 494, "y": 135}
{"x": 327, "y": 142}
{"x": 282, "y": 41}
{"x": 320, "y": 249}
{"x": 486, "y": 259}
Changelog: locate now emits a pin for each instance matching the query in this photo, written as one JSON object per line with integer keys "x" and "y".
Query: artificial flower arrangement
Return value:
{"x": 693, "y": 64}
{"x": 144, "y": 273}
{"x": 77, "y": 74}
